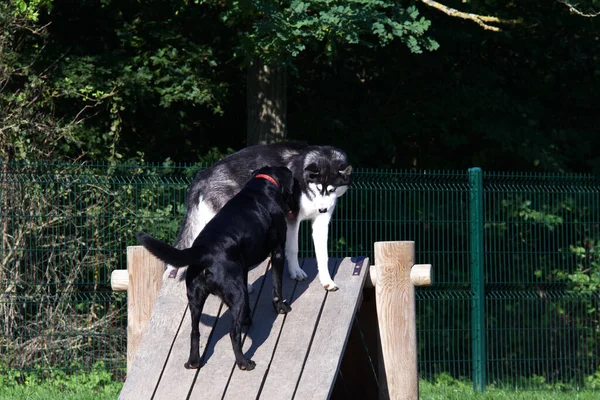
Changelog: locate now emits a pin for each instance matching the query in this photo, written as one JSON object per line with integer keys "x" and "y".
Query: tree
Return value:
{"x": 161, "y": 79}
{"x": 272, "y": 35}
{"x": 28, "y": 129}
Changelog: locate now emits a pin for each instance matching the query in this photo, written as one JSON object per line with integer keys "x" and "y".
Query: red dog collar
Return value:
{"x": 267, "y": 177}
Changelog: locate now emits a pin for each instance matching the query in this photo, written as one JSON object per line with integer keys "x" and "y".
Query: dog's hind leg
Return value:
{"x": 197, "y": 294}
{"x": 237, "y": 301}
{"x": 277, "y": 261}
{"x": 247, "y": 317}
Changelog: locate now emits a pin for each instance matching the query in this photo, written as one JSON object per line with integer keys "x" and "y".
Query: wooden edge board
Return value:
{"x": 327, "y": 349}
{"x": 156, "y": 344}
{"x": 176, "y": 381}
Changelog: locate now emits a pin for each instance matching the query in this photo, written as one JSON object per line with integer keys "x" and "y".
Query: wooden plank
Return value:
{"x": 156, "y": 343}
{"x": 279, "y": 345}
{"x": 260, "y": 341}
{"x": 218, "y": 359}
{"x": 144, "y": 272}
{"x": 176, "y": 381}
{"x": 286, "y": 364}
{"x": 327, "y": 349}
{"x": 175, "y": 377}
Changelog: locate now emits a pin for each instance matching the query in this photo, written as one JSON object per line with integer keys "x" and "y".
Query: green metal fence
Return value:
{"x": 517, "y": 273}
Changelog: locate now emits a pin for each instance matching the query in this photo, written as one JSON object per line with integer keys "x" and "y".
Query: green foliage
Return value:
{"x": 278, "y": 33}
{"x": 30, "y": 10}
{"x": 30, "y": 92}
{"x": 79, "y": 220}
{"x": 445, "y": 387}
{"x": 163, "y": 78}
{"x": 166, "y": 60}
{"x": 96, "y": 383}
{"x": 547, "y": 238}
{"x": 67, "y": 95}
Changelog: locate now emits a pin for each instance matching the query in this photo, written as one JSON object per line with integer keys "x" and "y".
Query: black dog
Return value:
{"x": 244, "y": 232}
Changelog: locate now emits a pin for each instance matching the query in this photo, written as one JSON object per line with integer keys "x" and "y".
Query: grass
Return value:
{"x": 98, "y": 385}
{"x": 429, "y": 392}
{"x": 451, "y": 389}
{"x": 49, "y": 392}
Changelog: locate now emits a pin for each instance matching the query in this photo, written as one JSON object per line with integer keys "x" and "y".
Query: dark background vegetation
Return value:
{"x": 167, "y": 79}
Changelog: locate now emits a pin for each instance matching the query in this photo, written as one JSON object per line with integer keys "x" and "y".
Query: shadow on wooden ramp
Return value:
{"x": 297, "y": 355}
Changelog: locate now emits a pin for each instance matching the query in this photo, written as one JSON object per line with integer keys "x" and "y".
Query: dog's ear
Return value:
{"x": 289, "y": 183}
{"x": 286, "y": 180}
{"x": 346, "y": 171}
{"x": 311, "y": 172}
{"x": 292, "y": 198}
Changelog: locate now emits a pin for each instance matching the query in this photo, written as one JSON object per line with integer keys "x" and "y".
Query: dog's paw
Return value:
{"x": 329, "y": 285}
{"x": 192, "y": 365}
{"x": 282, "y": 307}
{"x": 298, "y": 274}
{"x": 247, "y": 365}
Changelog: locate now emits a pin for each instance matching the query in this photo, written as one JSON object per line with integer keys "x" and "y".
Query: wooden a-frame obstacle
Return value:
{"x": 297, "y": 355}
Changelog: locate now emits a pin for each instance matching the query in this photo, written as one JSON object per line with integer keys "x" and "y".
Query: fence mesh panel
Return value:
{"x": 542, "y": 276}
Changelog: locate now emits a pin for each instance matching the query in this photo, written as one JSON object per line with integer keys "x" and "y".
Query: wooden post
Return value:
{"x": 145, "y": 277}
{"x": 394, "y": 279}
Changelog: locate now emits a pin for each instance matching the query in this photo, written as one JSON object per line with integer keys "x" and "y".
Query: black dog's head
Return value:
{"x": 287, "y": 185}
{"x": 281, "y": 175}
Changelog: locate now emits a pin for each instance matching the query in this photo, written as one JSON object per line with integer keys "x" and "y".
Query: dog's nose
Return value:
{"x": 322, "y": 210}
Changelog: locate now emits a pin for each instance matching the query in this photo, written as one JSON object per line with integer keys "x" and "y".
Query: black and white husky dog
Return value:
{"x": 322, "y": 173}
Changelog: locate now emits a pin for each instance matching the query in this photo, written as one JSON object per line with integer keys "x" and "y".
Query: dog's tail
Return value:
{"x": 167, "y": 253}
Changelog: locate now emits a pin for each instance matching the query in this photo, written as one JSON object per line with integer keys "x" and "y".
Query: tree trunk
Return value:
{"x": 266, "y": 95}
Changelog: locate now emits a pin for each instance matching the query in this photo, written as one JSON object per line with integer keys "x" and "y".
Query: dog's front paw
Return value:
{"x": 329, "y": 285}
{"x": 192, "y": 364}
{"x": 298, "y": 274}
{"x": 247, "y": 365}
{"x": 281, "y": 307}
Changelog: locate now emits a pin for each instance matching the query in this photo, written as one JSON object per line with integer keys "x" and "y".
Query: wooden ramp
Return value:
{"x": 297, "y": 355}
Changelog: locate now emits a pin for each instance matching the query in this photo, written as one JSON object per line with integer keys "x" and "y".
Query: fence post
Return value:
{"x": 478, "y": 329}
{"x": 395, "y": 298}
{"x": 145, "y": 277}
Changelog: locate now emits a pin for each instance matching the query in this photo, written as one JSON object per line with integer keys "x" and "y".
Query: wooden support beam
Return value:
{"x": 144, "y": 279}
{"x": 420, "y": 275}
{"x": 394, "y": 278}
{"x": 119, "y": 280}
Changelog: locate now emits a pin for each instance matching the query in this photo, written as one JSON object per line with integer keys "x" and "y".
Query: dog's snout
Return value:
{"x": 322, "y": 210}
